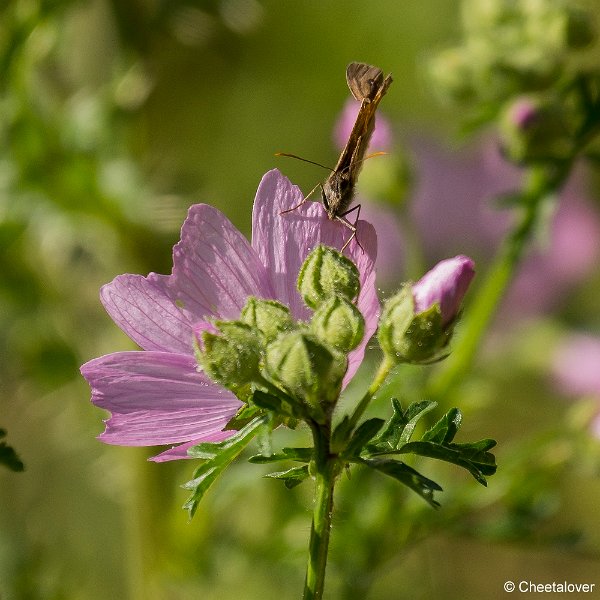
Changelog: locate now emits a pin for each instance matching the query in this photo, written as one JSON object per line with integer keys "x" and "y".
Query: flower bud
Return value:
{"x": 416, "y": 324}
{"x": 533, "y": 130}
{"x": 326, "y": 272}
{"x": 339, "y": 323}
{"x": 231, "y": 357}
{"x": 268, "y": 316}
{"x": 445, "y": 285}
{"x": 307, "y": 369}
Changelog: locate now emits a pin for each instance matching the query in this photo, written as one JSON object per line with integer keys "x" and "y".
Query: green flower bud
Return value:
{"x": 326, "y": 272}
{"x": 339, "y": 323}
{"x": 233, "y": 357}
{"x": 268, "y": 316}
{"x": 535, "y": 130}
{"x": 416, "y": 324}
{"x": 307, "y": 369}
{"x": 408, "y": 338}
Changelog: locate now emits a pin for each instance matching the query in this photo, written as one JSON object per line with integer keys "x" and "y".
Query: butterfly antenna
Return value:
{"x": 312, "y": 162}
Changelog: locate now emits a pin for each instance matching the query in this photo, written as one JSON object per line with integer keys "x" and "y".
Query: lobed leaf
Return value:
{"x": 292, "y": 477}
{"x": 218, "y": 457}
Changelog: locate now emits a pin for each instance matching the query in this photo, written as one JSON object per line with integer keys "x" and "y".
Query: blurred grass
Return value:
{"x": 119, "y": 115}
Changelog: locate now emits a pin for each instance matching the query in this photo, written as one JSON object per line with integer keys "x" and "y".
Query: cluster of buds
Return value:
{"x": 305, "y": 361}
{"x": 510, "y": 48}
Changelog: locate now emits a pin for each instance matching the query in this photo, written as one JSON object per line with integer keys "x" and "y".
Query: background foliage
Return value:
{"x": 116, "y": 116}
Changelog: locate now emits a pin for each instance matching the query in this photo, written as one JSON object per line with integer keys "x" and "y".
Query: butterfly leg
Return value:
{"x": 351, "y": 226}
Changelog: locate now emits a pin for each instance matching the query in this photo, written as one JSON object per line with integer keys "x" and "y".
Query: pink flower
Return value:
{"x": 576, "y": 365}
{"x": 157, "y": 396}
{"x": 446, "y": 284}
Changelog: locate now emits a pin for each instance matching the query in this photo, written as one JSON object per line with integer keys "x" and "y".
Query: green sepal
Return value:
{"x": 361, "y": 436}
{"x": 217, "y": 456}
{"x": 8, "y": 456}
{"x": 292, "y": 477}
{"x": 445, "y": 429}
{"x": 401, "y": 424}
{"x": 408, "y": 476}
{"x": 297, "y": 454}
{"x": 406, "y": 337}
{"x": 282, "y": 404}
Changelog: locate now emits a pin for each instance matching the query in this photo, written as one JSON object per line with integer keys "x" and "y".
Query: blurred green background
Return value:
{"x": 115, "y": 116}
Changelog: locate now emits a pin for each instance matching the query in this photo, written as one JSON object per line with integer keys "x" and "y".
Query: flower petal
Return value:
{"x": 141, "y": 307}
{"x": 214, "y": 267}
{"x": 157, "y": 398}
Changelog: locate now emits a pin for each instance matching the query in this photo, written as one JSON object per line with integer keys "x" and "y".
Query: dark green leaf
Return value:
{"x": 445, "y": 429}
{"x": 401, "y": 424}
{"x": 341, "y": 434}
{"x": 292, "y": 477}
{"x": 408, "y": 476}
{"x": 298, "y": 454}
{"x": 473, "y": 457}
{"x": 243, "y": 417}
{"x": 218, "y": 457}
{"x": 361, "y": 436}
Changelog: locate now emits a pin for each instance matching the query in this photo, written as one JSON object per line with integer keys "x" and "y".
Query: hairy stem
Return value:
{"x": 326, "y": 471}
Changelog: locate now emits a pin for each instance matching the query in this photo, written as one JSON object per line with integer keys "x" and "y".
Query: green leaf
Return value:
{"x": 361, "y": 436}
{"x": 298, "y": 454}
{"x": 402, "y": 423}
{"x": 292, "y": 477}
{"x": 341, "y": 434}
{"x": 243, "y": 417}
{"x": 408, "y": 476}
{"x": 218, "y": 457}
{"x": 445, "y": 429}
{"x": 474, "y": 457}
{"x": 8, "y": 457}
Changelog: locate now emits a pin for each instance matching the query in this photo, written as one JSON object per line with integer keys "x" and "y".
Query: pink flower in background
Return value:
{"x": 453, "y": 211}
{"x": 576, "y": 369}
{"x": 576, "y": 365}
{"x": 446, "y": 284}
{"x": 157, "y": 396}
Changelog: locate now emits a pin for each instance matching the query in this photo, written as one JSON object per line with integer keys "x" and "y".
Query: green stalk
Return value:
{"x": 326, "y": 471}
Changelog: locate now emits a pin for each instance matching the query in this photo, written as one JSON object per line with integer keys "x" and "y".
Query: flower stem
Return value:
{"x": 382, "y": 372}
{"x": 541, "y": 183}
{"x": 326, "y": 471}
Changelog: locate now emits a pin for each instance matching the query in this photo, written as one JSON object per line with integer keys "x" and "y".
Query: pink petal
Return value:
{"x": 446, "y": 284}
{"x": 157, "y": 398}
{"x": 141, "y": 307}
{"x": 215, "y": 268}
{"x": 283, "y": 241}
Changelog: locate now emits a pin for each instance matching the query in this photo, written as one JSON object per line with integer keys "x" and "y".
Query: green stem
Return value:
{"x": 326, "y": 471}
{"x": 540, "y": 184}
